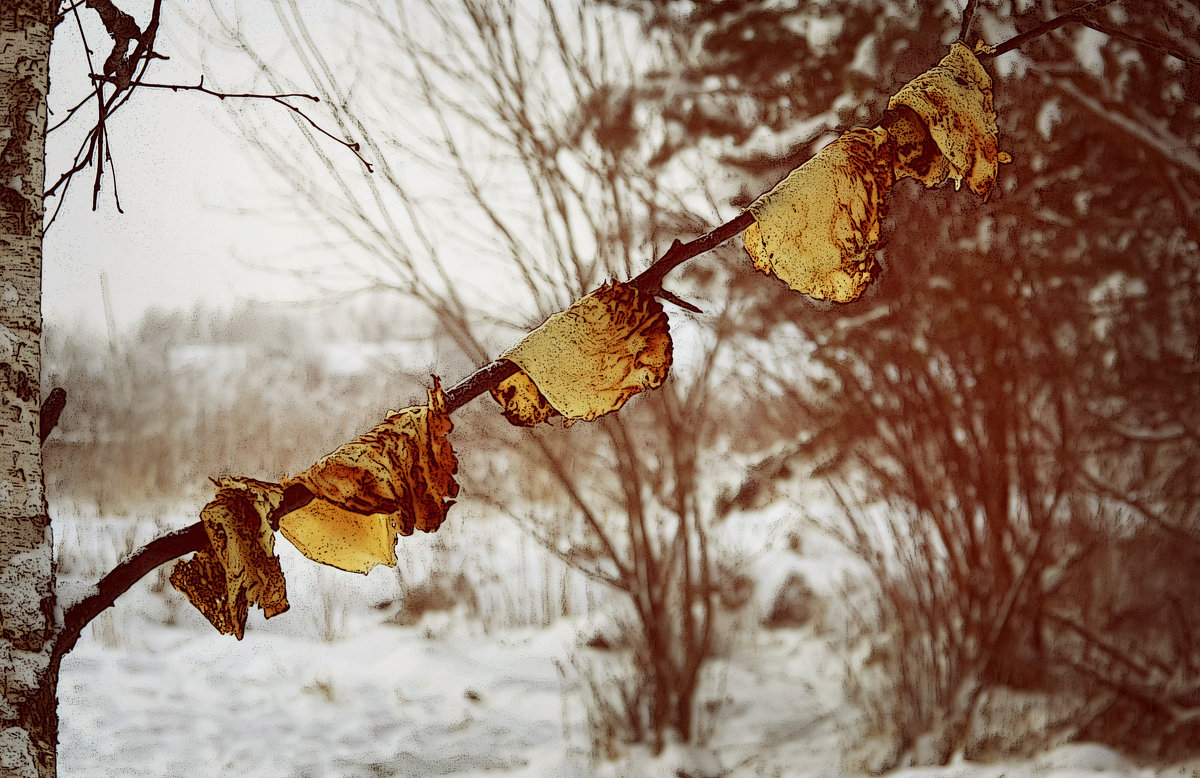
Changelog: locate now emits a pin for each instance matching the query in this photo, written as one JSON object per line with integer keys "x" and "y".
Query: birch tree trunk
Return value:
{"x": 28, "y": 712}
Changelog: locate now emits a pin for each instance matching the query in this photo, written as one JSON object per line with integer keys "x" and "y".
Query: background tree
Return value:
{"x": 521, "y": 92}
{"x": 1021, "y": 379}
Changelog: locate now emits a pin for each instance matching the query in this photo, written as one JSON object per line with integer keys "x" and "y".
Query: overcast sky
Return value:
{"x": 182, "y": 175}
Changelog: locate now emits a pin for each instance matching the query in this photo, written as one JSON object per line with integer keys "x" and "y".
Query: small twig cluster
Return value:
{"x": 1079, "y": 15}
{"x": 122, "y": 74}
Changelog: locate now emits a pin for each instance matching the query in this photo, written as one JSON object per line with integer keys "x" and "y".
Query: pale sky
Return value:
{"x": 182, "y": 172}
{"x": 200, "y": 206}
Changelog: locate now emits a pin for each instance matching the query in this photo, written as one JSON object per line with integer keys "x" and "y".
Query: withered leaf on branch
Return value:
{"x": 395, "y": 479}
{"x": 524, "y": 405}
{"x": 588, "y": 360}
{"x": 818, "y": 228}
{"x": 240, "y": 567}
{"x": 954, "y": 101}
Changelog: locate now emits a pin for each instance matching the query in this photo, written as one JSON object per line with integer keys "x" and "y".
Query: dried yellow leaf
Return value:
{"x": 395, "y": 479}
{"x": 818, "y": 228}
{"x": 341, "y": 538}
{"x": 954, "y": 101}
{"x": 240, "y": 567}
{"x": 588, "y": 360}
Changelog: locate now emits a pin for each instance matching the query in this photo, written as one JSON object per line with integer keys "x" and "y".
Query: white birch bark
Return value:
{"x": 28, "y": 715}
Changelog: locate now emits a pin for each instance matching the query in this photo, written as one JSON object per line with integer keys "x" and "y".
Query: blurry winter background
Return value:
{"x": 949, "y": 529}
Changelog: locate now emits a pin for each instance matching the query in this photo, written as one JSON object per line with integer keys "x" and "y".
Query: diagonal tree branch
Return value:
{"x": 194, "y": 538}
{"x": 650, "y": 280}
{"x": 1074, "y": 16}
{"x": 124, "y": 575}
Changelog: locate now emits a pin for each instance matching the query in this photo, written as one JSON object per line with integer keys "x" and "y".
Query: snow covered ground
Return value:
{"x": 309, "y": 695}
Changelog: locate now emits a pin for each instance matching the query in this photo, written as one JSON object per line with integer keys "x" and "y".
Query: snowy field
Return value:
{"x": 340, "y": 686}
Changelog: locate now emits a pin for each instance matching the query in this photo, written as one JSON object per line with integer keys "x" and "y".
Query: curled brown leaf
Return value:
{"x": 954, "y": 100}
{"x": 523, "y": 404}
{"x": 240, "y": 567}
{"x": 396, "y": 478}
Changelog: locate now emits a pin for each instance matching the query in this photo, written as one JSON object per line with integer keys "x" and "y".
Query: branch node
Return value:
{"x": 51, "y": 410}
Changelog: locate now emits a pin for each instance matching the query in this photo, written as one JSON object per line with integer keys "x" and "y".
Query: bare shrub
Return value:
{"x": 437, "y": 593}
{"x": 936, "y": 634}
{"x": 1120, "y": 624}
{"x": 613, "y": 701}
{"x": 1096, "y": 644}
{"x": 329, "y": 602}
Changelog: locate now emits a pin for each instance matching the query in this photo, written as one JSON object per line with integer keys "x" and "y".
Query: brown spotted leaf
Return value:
{"x": 954, "y": 100}
{"x": 588, "y": 360}
{"x": 240, "y": 567}
{"x": 818, "y": 228}
{"x": 396, "y": 478}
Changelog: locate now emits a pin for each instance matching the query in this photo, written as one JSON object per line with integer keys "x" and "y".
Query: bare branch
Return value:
{"x": 124, "y": 70}
{"x": 275, "y": 98}
{"x": 124, "y": 575}
{"x": 967, "y": 17}
{"x": 1173, "y": 151}
{"x": 70, "y": 113}
{"x": 1076, "y": 16}
{"x": 486, "y": 378}
{"x": 650, "y": 280}
{"x": 1136, "y": 40}
{"x": 51, "y": 410}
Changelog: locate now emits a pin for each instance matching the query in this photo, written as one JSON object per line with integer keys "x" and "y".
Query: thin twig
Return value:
{"x": 1137, "y": 40}
{"x": 70, "y": 113}
{"x": 275, "y": 98}
{"x": 112, "y": 169}
{"x": 62, "y": 12}
{"x": 200, "y": 87}
{"x": 650, "y": 279}
{"x": 967, "y": 17}
{"x": 125, "y": 72}
{"x": 1071, "y": 17}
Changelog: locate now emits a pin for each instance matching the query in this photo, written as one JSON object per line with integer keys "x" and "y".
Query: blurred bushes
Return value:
{"x": 259, "y": 391}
